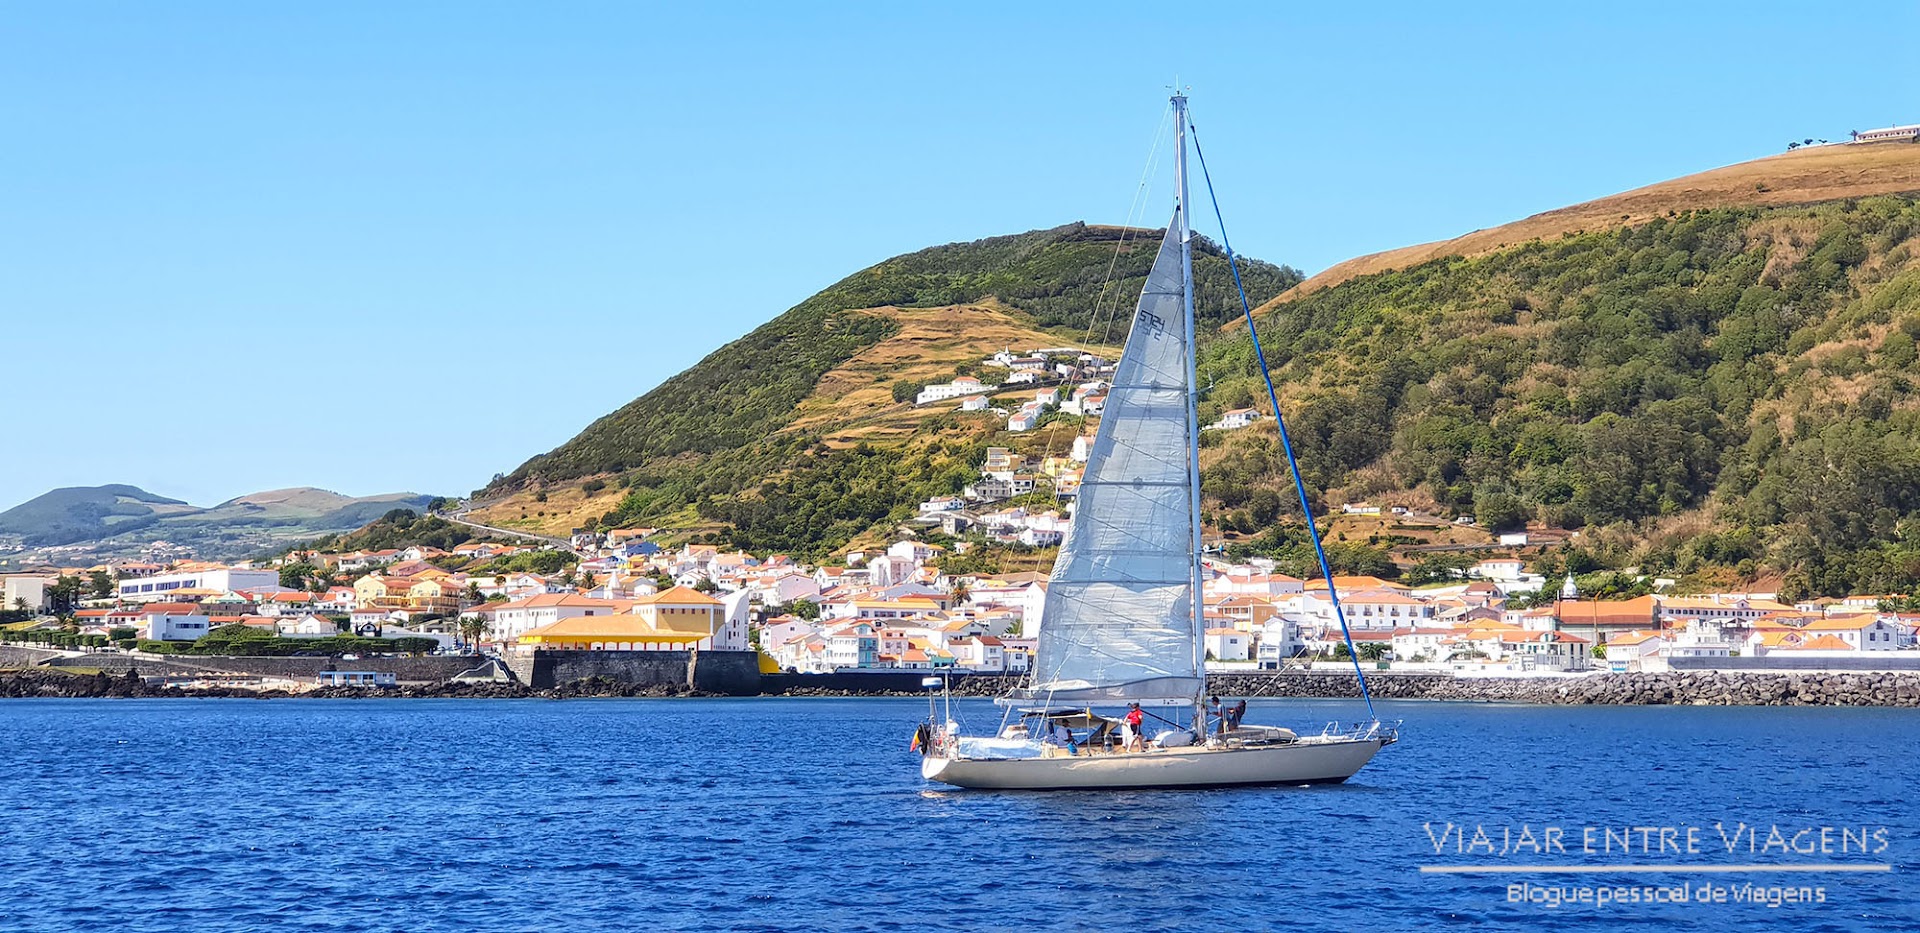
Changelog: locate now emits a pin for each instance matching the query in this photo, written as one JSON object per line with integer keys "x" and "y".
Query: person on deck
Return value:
{"x": 1136, "y": 726}
{"x": 1218, "y": 712}
{"x": 1059, "y": 736}
{"x": 1236, "y": 714}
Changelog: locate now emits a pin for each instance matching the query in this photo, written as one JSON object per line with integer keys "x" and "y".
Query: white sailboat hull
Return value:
{"x": 1309, "y": 761}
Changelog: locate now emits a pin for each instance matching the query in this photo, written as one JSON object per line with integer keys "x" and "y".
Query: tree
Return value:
{"x": 64, "y": 595}
{"x": 1372, "y": 651}
{"x": 100, "y": 584}
{"x": 297, "y": 576}
{"x": 415, "y": 645}
{"x": 960, "y": 590}
{"x": 472, "y": 629}
{"x": 804, "y": 609}
{"x": 1499, "y": 510}
{"x": 473, "y": 594}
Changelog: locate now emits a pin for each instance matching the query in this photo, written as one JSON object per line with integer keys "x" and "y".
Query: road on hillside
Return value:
{"x": 455, "y": 518}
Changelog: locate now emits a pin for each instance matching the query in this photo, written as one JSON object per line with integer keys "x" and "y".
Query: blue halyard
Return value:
{"x": 1286, "y": 444}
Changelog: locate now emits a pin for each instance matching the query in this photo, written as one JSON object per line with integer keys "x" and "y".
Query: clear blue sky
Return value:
{"x": 384, "y": 246}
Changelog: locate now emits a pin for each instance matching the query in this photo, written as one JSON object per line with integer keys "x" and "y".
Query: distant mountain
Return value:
{"x": 79, "y": 513}
{"x": 120, "y": 519}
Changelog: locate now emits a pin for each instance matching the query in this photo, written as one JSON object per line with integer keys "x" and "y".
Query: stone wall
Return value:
{"x": 17, "y": 656}
{"x": 734, "y": 673}
{"x": 868, "y": 682}
{"x": 432, "y": 669}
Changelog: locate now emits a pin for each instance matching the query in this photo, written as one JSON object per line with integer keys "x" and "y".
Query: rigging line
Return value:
{"x": 1134, "y": 210}
{"x": 1286, "y": 444}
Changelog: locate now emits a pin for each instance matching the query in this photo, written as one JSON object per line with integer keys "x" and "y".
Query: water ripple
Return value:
{"x": 741, "y": 815}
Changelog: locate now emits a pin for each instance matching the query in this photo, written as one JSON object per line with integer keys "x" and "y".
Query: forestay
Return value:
{"x": 1118, "y": 622}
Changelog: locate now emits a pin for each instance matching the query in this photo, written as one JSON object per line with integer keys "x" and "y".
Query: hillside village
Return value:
{"x": 896, "y": 609}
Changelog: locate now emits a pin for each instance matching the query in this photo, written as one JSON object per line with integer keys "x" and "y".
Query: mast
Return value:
{"x": 1193, "y": 412}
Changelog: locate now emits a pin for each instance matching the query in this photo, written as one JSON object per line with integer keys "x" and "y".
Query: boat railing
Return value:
{"x": 1386, "y": 730}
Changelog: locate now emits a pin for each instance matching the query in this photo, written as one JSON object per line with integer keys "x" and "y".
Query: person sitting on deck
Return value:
{"x": 1059, "y": 736}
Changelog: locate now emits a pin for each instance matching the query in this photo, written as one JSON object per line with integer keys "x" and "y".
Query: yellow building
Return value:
{"x": 673, "y": 620}
{"x": 374, "y": 591}
{"x": 441, "y": 595}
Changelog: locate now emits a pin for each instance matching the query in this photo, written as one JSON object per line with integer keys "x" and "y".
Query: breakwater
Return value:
{"x": 52, "y": 683}
{"x": 1680, "y": 688}
{"x": 1683, "y": 688}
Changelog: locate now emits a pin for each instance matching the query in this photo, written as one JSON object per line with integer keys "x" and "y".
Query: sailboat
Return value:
{"x": 1124, "y": 623}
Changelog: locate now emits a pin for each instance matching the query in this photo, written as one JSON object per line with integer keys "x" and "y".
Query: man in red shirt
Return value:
{"x": 1135, "y": 721}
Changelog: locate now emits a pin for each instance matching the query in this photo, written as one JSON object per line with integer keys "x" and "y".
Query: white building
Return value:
{"x": 1281, "y": 638}
{"x": 516, "y": 618}
{"x": 308, "y": 626}
{"x": 1236, "y": 419}
{"x": 1229, "y": 644}
{"x": 25, "y": 589}
{"x": 225, "y": 579}
{"x": 162, "y": 627}
{"x": 960, "y": 387}
{"x": 1911, "y": 131}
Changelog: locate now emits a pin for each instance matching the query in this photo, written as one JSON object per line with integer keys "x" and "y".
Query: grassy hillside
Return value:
{"x": 792, "y": 437}
{"x": 1804, "y": 176}
{"x": 1717, "y": 394}
{"x": 78, "y": 513}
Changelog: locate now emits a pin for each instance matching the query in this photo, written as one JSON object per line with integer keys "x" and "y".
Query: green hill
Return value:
{"x": 1713, "y": 394}
{"x": 78, "y": 513}
{"x": 757, "y": 442}
{"x": 119, "y": 520}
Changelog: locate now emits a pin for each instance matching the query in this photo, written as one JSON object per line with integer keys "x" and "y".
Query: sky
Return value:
{"x": 375, "y": 247}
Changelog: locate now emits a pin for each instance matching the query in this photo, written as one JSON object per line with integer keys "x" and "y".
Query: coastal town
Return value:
{"x": 911, "y": 605}
{"x": 896, "y": 609}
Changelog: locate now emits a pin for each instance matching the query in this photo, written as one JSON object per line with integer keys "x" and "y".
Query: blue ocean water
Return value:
{"x": 763, "y": 814}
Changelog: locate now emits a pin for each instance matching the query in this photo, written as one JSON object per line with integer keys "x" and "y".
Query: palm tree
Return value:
{"x": 961, "y": 589}
{"x": 1372, "y": 651}
{"x": 471, "y": 628}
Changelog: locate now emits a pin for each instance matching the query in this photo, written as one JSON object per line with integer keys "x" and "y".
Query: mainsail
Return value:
{"x": 1119, "y": 622}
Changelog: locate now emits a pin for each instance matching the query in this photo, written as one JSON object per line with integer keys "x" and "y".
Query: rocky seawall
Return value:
{"x": 1685, "y": 688}
{"x": 54, "y": 684}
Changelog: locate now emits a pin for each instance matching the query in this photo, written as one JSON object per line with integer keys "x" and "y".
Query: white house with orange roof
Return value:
{"x": 1860, "y": 632}
{"x": 1255, "y": 581}
{"x": 983, "y": 653}
{"x": 1374, "y": 610}
{"x": 1551, "y": 651}
{"x": 1228, "y": 644}
{"x": 1633, "y": 651}
{"x": 1421, "y": 644}
{"x": 1246, "y": 612}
